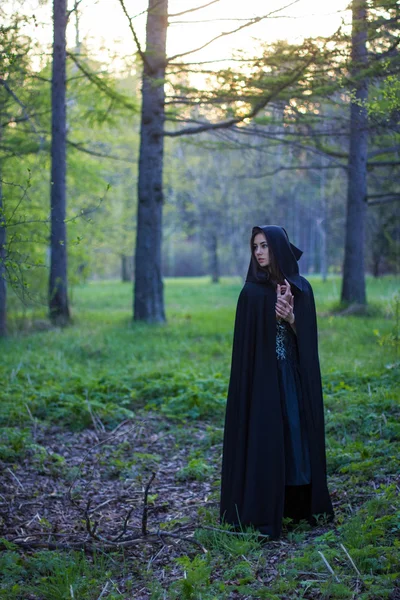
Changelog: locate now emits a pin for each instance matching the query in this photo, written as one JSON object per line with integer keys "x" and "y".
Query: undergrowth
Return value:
{"x": 105, "y": 369}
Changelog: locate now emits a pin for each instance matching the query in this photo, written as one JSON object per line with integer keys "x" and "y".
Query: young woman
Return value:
{"x": 273, "y": 461}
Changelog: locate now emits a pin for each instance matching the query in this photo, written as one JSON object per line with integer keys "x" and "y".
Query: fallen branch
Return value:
{"x": 104, "y": 544}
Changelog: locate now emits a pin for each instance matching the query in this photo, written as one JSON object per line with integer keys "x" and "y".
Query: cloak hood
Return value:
{"x": 285, "y": 253}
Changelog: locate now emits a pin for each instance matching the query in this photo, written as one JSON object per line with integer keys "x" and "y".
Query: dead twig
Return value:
{"x": 91, "y": 529}
{"x": 16, "y": 478}
{"x": 351, "y": 560}
{"x": 259, "y": 535}
{"x": 104, "y": 590}
{"x": 125, "y": 525}
{"x": 145, "y": 504}
{"x": 153, "y": 558}
{"x": 101, "y": 505}
{"x": 186, "y": 539}
{"x": 89, "y": 545}
{"x": 329, "y": 566}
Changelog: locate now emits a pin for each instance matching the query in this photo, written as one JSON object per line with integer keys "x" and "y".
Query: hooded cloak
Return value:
{"x": 253, "y": 487}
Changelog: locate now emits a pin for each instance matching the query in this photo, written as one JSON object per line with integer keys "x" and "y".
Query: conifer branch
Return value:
{"x": 135, "y": 37}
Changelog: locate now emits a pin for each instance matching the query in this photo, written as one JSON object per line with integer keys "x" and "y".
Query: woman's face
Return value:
{"x": 260, "y": 249}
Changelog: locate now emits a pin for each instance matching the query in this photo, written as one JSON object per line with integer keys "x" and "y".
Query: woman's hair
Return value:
{"x": 272, "y": 270}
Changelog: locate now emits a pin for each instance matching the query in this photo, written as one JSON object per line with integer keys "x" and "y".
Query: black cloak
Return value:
{"x": 253, "y": 490}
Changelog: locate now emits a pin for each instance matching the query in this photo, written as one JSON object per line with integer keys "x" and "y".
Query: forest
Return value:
{"x": 132, "y": 170}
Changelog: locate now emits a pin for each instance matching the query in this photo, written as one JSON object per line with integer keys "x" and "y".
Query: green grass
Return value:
{"x": 110, "y": 367}
{"x": 115, "y": 365}
{"x": 53, "y": 576}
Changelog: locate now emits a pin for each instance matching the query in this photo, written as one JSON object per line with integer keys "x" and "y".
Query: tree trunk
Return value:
{"x": 58, "y": 291}
{"x": 213, "y": 257}
{"x": 323, "y": 261}
{"x": 375, "y": 265}
{"x": 149, "y": 294}
{"x": 3, "y": 286}
{"x": 353, "y": 286}
{"x": 321, "y": 224}
{"x": 126, "y": 268}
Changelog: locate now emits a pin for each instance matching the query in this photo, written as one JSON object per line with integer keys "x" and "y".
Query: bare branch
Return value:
{"x": 388, "y": 150}
{"x": 144, "y": 12}
{"x": 74, "y": 9}
{"x": 135, "y": 37}
{"x": 223, "y": 20}
{"x": 295, "y": 168}
{"x": 216, "y": 60}
{"x": 25, "y": 110}
{"x": 318, "y": 149}
{"x": 382, "y": 199}
{"x": 185, "y": 12}
{"x": 226, "y": 33}
{"x": 41, "y": 78}
{"x": 79, "y": 146}
{"x": 280, "y": 141}
{"x": 384, "y": 163}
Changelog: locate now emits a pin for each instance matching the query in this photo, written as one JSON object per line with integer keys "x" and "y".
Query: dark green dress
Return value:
{"x": 297, "y": 459}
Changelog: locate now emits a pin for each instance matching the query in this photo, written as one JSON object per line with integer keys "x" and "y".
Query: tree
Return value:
{"x": 353, "y": 286}
{"x": 15, "y": 120}
{"x": 58, "y": 287}
{"x": 338, "y": 81}
{"x": 148, "y": 292}
{"x": 149, "y": 299}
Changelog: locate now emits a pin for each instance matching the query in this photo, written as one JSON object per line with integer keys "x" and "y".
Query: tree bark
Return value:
{"x": 58, "y": 290}
{"x": 323, "y": 262}
{"x": 213, "y": 257}
{"x": 148, "y": 292}
{"x": 126, "y": 268}
{"x": 3, "y": 285}
{"x": 321, "y": 224}
{"x": 353, "y": 286}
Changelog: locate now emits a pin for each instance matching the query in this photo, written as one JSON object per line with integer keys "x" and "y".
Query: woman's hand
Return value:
{"x": 284, "y": 303}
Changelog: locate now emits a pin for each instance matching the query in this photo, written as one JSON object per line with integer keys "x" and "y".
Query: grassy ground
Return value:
{"x": 88, "y": 413}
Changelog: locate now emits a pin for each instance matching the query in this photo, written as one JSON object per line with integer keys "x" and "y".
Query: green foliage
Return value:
{"x": 196, "y": 579}
{"x": 392, "y": 338}
{"x": 182, "y": 396}
{"x": 17, "y": 444}
{"x": 213, "y": 435}
{"x": 53, "y": 576}
{"x": 108, "y": 368}
{"x": 100, "y": 108}
{"x": 364, "y": 549}
{"x": 195, "y": 469}
{"x": 14, "y": 443}
{"x": 125, "y": 462}
{"x": 384, "y": 100}
{"x": 231, "y": 545}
